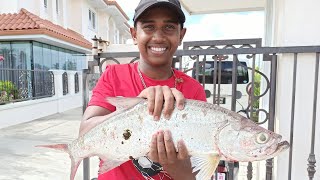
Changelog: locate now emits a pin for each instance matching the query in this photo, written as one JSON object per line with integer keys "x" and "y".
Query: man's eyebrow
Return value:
{"x": 172, "y": 21}
{"x": 166, "y": 21}
{"x": 146, "y": 21}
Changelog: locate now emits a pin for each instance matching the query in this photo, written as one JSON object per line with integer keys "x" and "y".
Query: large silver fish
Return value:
{"x": 210, "y": 133}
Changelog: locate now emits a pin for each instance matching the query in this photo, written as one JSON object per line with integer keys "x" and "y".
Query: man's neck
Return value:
{"x": 157, "y": 73}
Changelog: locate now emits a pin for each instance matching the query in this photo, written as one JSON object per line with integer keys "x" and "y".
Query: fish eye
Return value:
{"x": 262, "y": 138}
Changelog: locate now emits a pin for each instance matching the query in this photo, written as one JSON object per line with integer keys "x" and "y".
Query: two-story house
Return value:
{"x": 44, "y": 45}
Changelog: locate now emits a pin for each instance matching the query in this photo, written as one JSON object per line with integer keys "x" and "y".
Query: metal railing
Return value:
{"x": 251, "y": 50}
{"x": 22, "y": 85}
{"x": 76, "y": 83}
{"x": 65, "y": 88}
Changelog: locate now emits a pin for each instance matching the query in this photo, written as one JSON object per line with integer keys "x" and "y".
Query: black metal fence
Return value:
{"x": 76, "y": 83}
{"x": 258, "y": 86}
{"x": 65, "y": 83}
{"x": 21, "y": 85}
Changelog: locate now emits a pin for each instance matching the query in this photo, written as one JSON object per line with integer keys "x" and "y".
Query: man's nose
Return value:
{"x": 158, "y": 35}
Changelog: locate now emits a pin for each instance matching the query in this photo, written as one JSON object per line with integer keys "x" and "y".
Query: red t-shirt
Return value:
{"x": 123, "y": 80}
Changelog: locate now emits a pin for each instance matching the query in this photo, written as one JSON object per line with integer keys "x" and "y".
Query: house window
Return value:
{"x": 57, "y": 6}
{"x": 92, "y": 19}
{"x": 45, "y": 2}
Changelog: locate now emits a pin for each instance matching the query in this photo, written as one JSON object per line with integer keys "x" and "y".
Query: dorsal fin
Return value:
{"x": 123, "y": 103}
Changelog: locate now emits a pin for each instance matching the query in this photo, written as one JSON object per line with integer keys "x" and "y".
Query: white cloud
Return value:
{"x": 226, "y": 26}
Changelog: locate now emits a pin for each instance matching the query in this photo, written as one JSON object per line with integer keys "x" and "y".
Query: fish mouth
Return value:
{"x": 281, "y": 146}
{"x": 272, "y": 151}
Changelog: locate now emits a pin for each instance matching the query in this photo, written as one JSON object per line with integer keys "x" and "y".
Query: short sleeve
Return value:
{"x": 103, "y": 89}
{"x": 200, "y": 94}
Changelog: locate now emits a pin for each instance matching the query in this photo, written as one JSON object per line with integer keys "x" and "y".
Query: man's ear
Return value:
{"x": 182, "y": 33}
{"x": 133, "y": 32}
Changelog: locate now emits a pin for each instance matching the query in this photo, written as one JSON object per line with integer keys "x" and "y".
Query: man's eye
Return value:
{"x": 170, "y": 27}
{"x": 148, "y": 27}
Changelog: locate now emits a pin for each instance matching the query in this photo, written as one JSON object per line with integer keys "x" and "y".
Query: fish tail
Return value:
{"x": 75, "y": 162}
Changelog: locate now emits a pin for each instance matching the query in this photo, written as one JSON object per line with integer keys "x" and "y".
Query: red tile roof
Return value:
{"x": 26, "y": 23}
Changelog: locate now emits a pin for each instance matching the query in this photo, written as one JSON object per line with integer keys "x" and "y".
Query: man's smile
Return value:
{"x": 158, "y": 50}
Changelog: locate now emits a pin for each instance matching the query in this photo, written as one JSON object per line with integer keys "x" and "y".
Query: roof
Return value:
{"x": 114, "y": 3}
{"x": 26, "y": 23}
{"x": 218, "y": 6}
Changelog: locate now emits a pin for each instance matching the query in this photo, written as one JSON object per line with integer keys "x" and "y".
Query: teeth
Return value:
{"x": 158, "y": 49}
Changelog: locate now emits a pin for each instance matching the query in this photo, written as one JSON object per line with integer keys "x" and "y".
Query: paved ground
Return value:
{"x": 21, "y": 160}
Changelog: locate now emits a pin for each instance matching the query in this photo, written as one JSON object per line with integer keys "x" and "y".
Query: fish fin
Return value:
{"x": 74, "y": 167}
{"x": 205, "y": 164}
{"x": 74, "y": 162}
{"x": 124, "y": 102}
{"x": 107, "y": 165}
{"x": 60, "y": 147}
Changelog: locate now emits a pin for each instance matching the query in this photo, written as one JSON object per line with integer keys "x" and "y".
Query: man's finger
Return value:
{"x": 182, "y": 150}
{"x": 153, "y": 153}
{"x": 168, "y": 102}
{"x": 149, "y": 95}
{"x": 161, "y": 148}
{"x": 158, "y": 102}
{"x": 180, "y": 100}
{"x": 170, "y": 148}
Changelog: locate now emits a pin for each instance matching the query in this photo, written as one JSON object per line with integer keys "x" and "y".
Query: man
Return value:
{"x": 158, "y": 31}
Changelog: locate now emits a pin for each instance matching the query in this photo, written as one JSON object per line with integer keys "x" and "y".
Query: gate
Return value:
{"x": 247, "y": 82}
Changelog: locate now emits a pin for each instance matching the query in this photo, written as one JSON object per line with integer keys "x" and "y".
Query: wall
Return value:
{"x": 88, "y": 32}
{"x": 103, "y": 19}
{"x": 297, "y": 25}
{"x": 75, "y": 12}
{"x": 10, "y": 114}
{"x": 14, "y": 6}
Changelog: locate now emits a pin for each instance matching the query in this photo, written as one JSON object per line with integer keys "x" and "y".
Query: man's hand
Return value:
{"x": 162, "y": 98}
{"x": 163, "y": 151}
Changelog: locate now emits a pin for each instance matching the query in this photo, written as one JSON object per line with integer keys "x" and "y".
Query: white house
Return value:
{"x": 44, "y": 45}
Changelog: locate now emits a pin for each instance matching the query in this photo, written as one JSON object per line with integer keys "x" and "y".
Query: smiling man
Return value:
{"x": 158, "y": 31}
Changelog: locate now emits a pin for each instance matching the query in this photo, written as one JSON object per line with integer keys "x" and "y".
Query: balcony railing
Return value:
{"x": 22, "y": 85}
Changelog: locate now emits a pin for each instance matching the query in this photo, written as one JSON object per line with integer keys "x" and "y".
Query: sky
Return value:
{"x": 214, "y": 26}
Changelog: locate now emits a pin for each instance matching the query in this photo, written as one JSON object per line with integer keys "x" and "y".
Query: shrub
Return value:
{"x": 256, "y": 92}
{"x": 8, "y": 91}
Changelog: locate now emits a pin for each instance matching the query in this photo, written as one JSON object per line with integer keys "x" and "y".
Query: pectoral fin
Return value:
{"x": 205, "y": 163}
{"x": 123, "y": 103}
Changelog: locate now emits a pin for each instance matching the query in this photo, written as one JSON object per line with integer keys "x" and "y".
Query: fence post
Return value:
{"x": 85, "y": 96}
{"x": 272, "y": 103}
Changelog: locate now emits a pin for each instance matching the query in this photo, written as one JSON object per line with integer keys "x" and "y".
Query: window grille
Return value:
{"x": 45, "y": 3}
{"x": 76, "y": 83}
{"x": 65, "y": 83}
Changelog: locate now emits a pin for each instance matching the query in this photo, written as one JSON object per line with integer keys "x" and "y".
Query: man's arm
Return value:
{"x": 92, "y": 116}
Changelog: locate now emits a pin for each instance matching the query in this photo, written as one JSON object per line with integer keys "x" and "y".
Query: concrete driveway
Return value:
{"x": 21, "y": 160}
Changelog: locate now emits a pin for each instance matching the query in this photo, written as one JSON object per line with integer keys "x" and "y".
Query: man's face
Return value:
{"x": 158, "y": 35}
